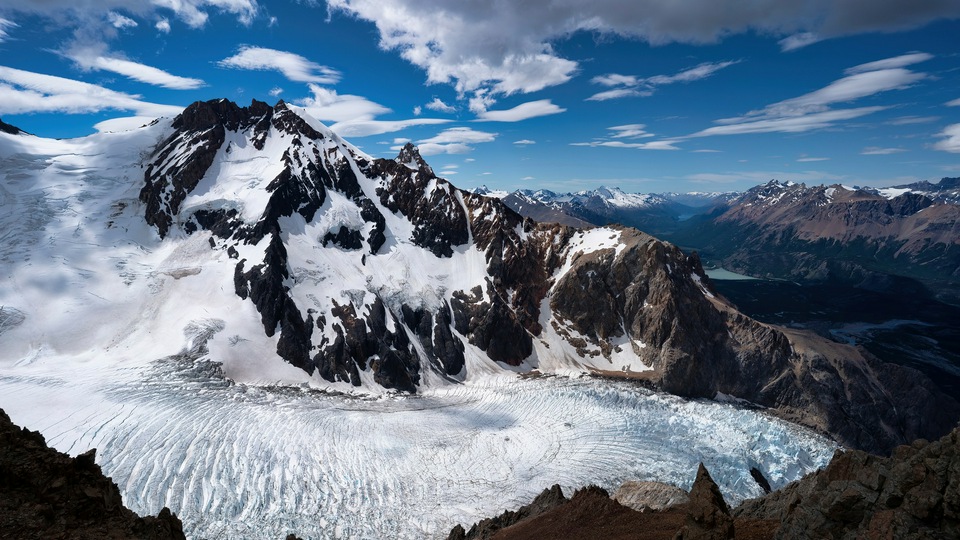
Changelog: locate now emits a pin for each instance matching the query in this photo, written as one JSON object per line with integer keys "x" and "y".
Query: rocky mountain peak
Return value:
{"x": 7, "y": 128}
{"x": 410, "y": 156}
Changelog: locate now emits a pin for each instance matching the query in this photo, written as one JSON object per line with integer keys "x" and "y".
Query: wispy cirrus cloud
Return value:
{"x": 815, "y": 110}
{"x": 632, "y": 86}
{"x": 812, "y": 111}
{"x": 614, "y": 139}
{"x": 5, "y": 27}
{"x": 293, "y": 66}
{"x": 94, "y": 58}
{"x": 880, "y": 151}
{"x": 798, "y": 41}
{"x": 456, "y": 140}
{"x": 524, "y": 111}
{"x": 28, "y": 92}
{"x": 950, "y": 141}
{"x": 355, "y": 116}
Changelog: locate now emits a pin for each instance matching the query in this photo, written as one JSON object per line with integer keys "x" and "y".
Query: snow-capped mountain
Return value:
{"x": 258, "y": 239}
{"x": 655, "y": 213}
{"x": 795, "y": 231}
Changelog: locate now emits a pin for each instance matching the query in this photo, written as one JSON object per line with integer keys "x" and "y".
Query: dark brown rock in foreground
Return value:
{"x": 592, "y": 515}
{"x": 45, "y": 494}
{"x": 915, "y": 493}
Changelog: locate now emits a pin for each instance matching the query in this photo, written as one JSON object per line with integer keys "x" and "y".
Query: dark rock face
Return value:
{"x": 915, "y": 493}
{"x": 550, "y": 498}
{"x": 46, "y": 494}
{"x": 412, "y": 189}
{"x": 592, "y": 515}
{"x": 7, "y": 128}
{"x": 708, "y": 516}
{"x": 203, "y": 125}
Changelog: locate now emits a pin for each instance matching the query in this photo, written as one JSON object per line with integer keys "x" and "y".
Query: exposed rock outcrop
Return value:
{"x": 592, "y": 514}
{"x": 47, "y": 494}
{"x": 7, "y": 128}
{"x": 708, "y": 517}
{"x": 914, "y": 493}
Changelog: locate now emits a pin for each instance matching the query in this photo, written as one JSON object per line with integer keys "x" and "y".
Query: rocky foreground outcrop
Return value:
{"x": 592, "y": 514}
{"x": 914, "y": 493}
{"x": 45, "y": 494}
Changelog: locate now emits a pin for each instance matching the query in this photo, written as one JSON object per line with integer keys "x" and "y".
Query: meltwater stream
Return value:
{"x": 244, "y": 462}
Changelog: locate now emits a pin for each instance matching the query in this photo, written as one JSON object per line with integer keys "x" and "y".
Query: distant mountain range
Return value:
{"x": 784, "y": 230}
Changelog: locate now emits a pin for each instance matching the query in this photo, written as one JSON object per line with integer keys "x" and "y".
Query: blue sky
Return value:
{"x": 646, "y": 95}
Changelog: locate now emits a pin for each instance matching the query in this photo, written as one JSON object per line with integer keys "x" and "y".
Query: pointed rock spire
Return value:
{"x": 709, "y": 517}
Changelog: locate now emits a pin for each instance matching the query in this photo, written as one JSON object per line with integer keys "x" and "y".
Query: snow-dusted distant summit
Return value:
{"x": 257, "y": 239}
{"x": 836, "y": 232}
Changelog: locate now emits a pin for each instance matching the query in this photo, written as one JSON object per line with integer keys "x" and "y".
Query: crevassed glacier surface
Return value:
{"x": 236, "y": 461}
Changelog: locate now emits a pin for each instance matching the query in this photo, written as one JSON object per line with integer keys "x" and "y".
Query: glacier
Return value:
{"x": 246, "y": 461}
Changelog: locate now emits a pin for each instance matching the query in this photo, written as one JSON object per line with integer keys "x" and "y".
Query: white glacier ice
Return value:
{"x": 238, "y": 461}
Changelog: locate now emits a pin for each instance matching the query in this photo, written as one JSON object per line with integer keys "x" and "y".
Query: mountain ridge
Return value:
{"x": 315, "y": 261}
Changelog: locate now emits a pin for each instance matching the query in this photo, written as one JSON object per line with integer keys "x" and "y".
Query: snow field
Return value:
{"x": 259, "y": 462}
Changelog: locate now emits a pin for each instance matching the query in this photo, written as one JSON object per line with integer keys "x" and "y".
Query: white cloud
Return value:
{"x": 798, "y": 41}
{"x": 652, "y": 145}
{"x": 134, "y": 70}
{"x": 80, "y": 15}
{"x": 878, "y": 151}
{"x": 455, "y": 140}
{"x": 438, "y": 105}
{"x": 417, "y": 111}
{"x": 524, "y": 142}
{"x": 469, "y": 160}
{"x": 119, "y": 21}
{"x": 951, "y": 139}
{"x": 451, "y": 166}
{"x": 631, "y": 86}
{"x": 811, "y": 159}
{"x": 787, "y": 124}
{"x": 355, "y": 116}
{"x": 275, "y": 91}
{"x": 524, "y": 111}
{"x": 705, "y": 151}
{"x": 954, "y": 103}
{"x": 293, "y": 66}
{"x": 28, "y": 92}
{"x": 911, "y": 120}
{"x": 163, "y": 25}
{"x": 5, "y": 26}
{"x": 890, "y": 63}
{"x": 618, "y": 93}
{"x": 629, "y": 131}
{"x": 813, "y": 111}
